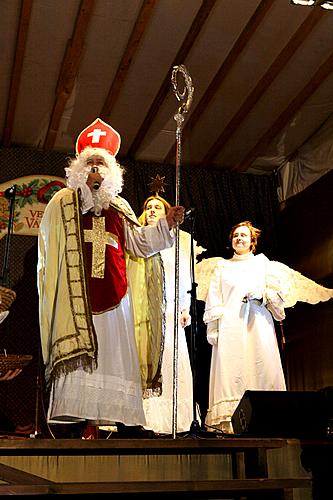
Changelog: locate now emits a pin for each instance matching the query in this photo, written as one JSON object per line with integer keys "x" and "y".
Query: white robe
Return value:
{"x": 242, "y": 295}
{"x": 159, "y": 409}
{"x": 111, "y": 393}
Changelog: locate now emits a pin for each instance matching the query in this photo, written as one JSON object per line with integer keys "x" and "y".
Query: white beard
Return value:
{"x": 101, "y": 199}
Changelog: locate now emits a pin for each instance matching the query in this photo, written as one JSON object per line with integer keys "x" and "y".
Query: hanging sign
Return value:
{"x": 32, "y": 193}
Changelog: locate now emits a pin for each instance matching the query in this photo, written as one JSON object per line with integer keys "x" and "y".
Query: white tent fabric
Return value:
{"x": 312, "y": 160}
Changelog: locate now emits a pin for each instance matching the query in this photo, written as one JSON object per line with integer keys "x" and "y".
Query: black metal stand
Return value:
{"x": 10, "y": 194}
{"x": 196, "y": 430}
{"x": 37, "y": 434}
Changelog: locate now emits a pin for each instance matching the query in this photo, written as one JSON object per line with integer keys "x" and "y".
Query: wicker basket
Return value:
{"x": 13, "y": 361}
{"x": 7, "y": 297}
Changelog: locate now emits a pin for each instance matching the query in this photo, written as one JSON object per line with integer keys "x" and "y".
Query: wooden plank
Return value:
{"x": 69, "y": 70}
{"x": 189, "y": 39}
{"x": 135, "y": 446}
{"x": 264, "y": 83}
{"x": 222, "y": 487}
{"x": 224, "y": 70}
{"x": 21, "y": 42}
{"x": 323, "y": 72}
{"x": 24, "y": 489}
{"x": 13, "y": 475}
{"x": 238, "y": 465}
{"x": 133, "y": 44}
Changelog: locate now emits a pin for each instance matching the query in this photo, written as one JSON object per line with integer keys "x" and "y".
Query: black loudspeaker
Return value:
{"x": 293, "y": 414}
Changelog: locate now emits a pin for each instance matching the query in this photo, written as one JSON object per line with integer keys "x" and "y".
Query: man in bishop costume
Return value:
{"x": 85, "y": 307}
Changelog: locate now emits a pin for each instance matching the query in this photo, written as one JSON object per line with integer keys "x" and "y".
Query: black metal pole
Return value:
{"x": 195, "y": 425}
{"x": 10, "y": 194}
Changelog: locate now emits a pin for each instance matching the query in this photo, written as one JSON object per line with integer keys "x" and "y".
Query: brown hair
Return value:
{"x": 254, "y": 232}
{"x": 142, "y": 218}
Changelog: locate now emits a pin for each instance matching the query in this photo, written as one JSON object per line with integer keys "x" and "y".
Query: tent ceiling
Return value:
{"x": 262, "y": 72}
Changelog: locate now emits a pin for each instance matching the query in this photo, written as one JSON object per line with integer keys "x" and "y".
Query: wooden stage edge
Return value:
{"x": 248, "y": 457}
{"x": 112, "y": 446}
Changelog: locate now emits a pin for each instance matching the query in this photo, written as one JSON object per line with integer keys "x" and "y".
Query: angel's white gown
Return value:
{"x": 242, "y": 294}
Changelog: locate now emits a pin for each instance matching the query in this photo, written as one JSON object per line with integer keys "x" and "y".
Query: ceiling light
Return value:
{"x": 308, "y": 3}
{"x": 327, "y": 5}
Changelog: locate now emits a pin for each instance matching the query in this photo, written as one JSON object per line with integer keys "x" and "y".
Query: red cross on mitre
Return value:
{"x": 99, "y": 135}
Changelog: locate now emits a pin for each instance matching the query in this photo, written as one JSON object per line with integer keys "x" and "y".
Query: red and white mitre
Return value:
{"x": 99, "y": 135}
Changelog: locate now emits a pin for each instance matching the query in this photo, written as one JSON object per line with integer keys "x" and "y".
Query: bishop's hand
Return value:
{"x": 175, "y": 215}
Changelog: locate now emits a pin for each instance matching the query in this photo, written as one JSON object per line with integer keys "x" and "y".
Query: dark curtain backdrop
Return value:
{"x": 306, "y": 244}
{"x": 220, "y": 199}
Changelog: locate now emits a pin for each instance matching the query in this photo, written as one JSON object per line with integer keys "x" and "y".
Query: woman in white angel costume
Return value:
{"x": 242, "y": 296}
{"x": 158, "y": 396}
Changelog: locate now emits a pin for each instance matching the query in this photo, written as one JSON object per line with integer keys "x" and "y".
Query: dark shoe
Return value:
{"x": 134, "y": 432}
{"x": 68, "y": 431}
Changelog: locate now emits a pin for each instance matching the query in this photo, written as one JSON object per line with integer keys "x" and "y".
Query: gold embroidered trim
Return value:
{"x": 83, "y": 354}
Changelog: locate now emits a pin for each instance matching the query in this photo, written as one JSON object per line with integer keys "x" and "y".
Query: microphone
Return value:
{"x": 189, "y": 213}
{"x": 96, "y": 185}
{"x": 10, "y": 192}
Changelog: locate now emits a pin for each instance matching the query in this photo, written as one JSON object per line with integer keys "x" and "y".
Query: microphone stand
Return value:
{"x": 196, "y": 429}
{"x": 10, "y": 194}
{"x": 195, "y": 425}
